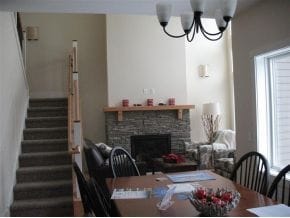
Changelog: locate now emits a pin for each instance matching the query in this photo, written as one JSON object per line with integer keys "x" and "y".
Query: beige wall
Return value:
{"x": 262, "y": 28}
{"x": 215, "y": 88}
{"x": 13, "y": 105}
{"x": 47, "y": 62}
{"x": 139, "y": 56}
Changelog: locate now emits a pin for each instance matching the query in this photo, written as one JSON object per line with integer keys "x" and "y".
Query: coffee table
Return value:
{"x": 188, "y": 165}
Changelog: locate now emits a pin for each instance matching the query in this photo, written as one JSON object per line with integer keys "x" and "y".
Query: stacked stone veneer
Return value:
{"x": 118, "y": 133}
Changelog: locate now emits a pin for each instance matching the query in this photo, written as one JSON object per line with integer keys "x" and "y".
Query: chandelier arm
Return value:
{"x": 211, "y": 34}
{"x": 212, "y": 39}
{"x": 193, "y": 33}
{"x": 178, "y": 36}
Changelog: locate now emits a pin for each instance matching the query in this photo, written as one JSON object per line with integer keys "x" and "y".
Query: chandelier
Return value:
{"x": 191, "y": 22}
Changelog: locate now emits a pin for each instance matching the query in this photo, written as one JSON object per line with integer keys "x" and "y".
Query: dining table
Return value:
{"x": 147, "y": 207}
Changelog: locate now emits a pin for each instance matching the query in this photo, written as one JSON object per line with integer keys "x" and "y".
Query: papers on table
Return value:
{"x": 184, "y": 187}
{"x": 131, "y": 193}
{"x": 190, "y": 177}
{"x": 279, "y": 210}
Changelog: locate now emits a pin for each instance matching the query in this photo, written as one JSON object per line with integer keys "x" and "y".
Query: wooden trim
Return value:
{"x": 120, "y": 110}
{"x": 149, "y": 108}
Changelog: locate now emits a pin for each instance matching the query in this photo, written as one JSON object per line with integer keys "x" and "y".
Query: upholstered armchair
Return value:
{"x": 224, "y": 161}
{"x": 208, "y": 155}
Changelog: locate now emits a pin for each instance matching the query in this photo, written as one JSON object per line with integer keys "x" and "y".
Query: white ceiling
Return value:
{"x": 145, "y": 7}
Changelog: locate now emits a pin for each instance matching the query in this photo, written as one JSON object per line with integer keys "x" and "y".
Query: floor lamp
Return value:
{"x": 210, "y": 119}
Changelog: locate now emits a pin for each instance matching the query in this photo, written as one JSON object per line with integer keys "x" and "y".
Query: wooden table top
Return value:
{"x": 147, "y": 207}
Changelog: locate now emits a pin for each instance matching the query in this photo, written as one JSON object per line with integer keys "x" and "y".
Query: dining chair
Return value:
{"x": 91, "y": 198}
{"x": 122, "y": 164}
{"x": 278, "y": 189}
{"x": 252, "y": 171}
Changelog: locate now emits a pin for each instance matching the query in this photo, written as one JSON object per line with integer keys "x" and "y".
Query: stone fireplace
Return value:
{"x": 148, "y": 122}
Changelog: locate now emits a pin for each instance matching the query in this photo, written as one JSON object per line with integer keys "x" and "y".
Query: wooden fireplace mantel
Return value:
{"x": 120, "y": 110}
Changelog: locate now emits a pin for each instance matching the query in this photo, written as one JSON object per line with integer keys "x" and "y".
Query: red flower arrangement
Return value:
{"x": 211, "y": 203}
{"x": 173, "y": 158}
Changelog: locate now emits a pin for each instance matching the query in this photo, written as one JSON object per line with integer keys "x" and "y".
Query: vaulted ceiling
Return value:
{"x": 146, "y": 7}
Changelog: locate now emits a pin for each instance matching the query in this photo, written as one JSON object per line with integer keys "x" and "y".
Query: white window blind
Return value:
{"x": 272, "y": 79}
{"x": 280, "y": 99}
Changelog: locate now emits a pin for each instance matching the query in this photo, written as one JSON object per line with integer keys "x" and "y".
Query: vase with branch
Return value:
{"x": 210, "y": 120}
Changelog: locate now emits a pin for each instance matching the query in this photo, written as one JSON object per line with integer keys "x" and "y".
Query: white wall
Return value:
{"x": 47, "y": 62}
{"x": 215, "y": 88}
{"x": 140, "y": 55}
{"x": 262, "y": 28}
{"x": 13, "y": 105}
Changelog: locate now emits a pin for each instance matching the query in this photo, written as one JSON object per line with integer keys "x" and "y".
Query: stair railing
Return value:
{"x": 75, "y": 137}
{"x": 74, "y": 115}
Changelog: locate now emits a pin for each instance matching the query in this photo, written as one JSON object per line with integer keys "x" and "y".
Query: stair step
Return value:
{"x": 47, "y": 111}
{"x": 33, "y": 190}
{"x": 44, "y": 145}
{"x": 46, "y": 207}
{"x": 48, "y": 102}
{"x": 44, "y": 122}
{"x": 43, "y": 173}
{"x": 44, "y": 158}
{"x": 45, "y": 133}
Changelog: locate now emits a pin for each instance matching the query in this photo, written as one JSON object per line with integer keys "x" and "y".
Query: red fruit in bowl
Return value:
{"x": 227, "y": 197}
{"x": 200, "y": 193}
{"x": 216, "y": 200}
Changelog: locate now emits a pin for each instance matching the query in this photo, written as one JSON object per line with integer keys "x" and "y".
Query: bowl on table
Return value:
{"x": 217, "y": 202}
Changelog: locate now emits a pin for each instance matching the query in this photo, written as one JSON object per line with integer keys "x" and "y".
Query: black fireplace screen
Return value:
{"x": 146, "y": 147}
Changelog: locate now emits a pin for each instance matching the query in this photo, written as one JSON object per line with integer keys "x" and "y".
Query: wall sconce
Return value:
{"x": 32, "y": 32}
{"x": 203, "y": 71}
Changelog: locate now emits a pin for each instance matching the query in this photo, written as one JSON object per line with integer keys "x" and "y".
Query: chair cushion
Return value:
{"x": 225, "y": 164}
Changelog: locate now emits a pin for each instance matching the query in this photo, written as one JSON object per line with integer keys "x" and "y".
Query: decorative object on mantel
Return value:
{"x": 210, "y": 119}
{"x": 191, "y": 21}
{"x": 178, "y": 108}
{"x": 173, "y": 158}
{"x": 171, "y": 101}
{"x": 149, "y": 102}
{"x": 214, "y": 203}
{"x": 137, "y": 105}
{"x": 125, "y": 102}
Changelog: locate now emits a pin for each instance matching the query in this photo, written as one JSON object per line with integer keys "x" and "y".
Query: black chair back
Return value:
{"x": 91, "y": 199}
{"x": 278, "y": 189}
{"x": 252, "y": 171}
{"x": 122, "y": 163}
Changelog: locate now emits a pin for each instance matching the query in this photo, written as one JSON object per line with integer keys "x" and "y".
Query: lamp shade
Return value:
{"x": 186, "y": 21}
{"x": 220, "y": 22}
{"x": 163, "y": 11}
{"x": 197, "y": 5}
{"x": 211, "y": 109}
{"x": 229, "y": 7}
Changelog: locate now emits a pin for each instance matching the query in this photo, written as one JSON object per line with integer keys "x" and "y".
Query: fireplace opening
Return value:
{"x": 146, "y": 147}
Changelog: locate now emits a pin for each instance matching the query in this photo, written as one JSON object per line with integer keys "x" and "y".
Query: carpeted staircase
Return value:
{"x": 44, "y": 176}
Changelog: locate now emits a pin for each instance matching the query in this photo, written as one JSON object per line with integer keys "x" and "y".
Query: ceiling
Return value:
{"x": 145, "y": 7}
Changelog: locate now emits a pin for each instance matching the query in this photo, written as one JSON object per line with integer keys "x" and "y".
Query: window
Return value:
{"x": 273, "y": 106}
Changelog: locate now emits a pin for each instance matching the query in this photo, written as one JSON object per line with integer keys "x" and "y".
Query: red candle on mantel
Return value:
{"x": 125, "y": 102}
{"x": 150, "y": 102}
{"x": 171, "y": 101}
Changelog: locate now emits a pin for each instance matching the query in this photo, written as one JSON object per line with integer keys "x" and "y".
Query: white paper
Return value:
{"x": 130, "y": 194}
{"x": 184, "y": 187}
{"x": 280, "y": 210}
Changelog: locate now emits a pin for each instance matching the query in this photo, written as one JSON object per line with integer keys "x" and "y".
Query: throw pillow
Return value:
{"x": 104, "y": 149}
